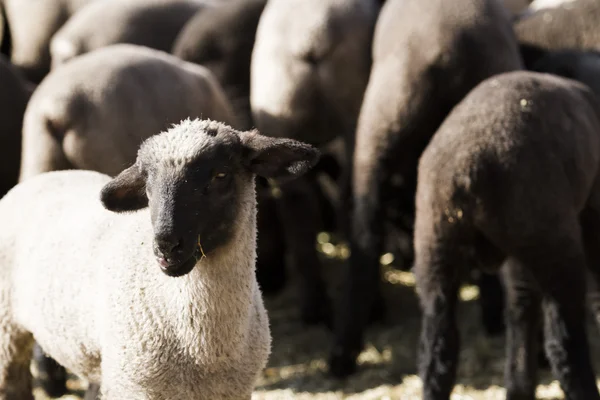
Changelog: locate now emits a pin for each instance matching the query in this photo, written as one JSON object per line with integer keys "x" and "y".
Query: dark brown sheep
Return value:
{"x": 427, "y": 55}
{"x": 512, "y": 174}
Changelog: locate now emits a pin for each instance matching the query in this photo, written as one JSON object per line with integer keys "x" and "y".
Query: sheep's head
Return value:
{"x": 194, "y": 178}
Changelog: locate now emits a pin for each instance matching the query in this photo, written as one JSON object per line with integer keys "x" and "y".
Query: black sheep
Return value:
{"x": 512, "y": 174}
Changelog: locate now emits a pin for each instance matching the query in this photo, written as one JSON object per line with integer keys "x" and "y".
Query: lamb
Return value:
{"x": 427, "y": 55}
{"x": 14, "y": 95}
{"x": 572, "y": 25}
{"x": 222, "y": 39}
{"x": 301, "y": 86}
{"x": 94, "y": 112}
{"x": 178, "y": 312}
{"x": 512, "y": 174}
{"x": 32, "y": 25}
{"x": 151, "y": 23}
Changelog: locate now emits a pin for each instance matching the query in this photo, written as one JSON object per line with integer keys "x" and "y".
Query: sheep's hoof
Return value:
{"x": 342, "y": 363}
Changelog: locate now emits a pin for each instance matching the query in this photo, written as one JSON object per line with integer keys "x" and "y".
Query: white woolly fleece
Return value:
{"x": 85, "y": 283}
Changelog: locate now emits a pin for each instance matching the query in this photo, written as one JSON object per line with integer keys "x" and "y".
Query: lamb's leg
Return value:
{"x": 523, "y": 321}
{"x": 590, "y": 223}
{"x": 15, "y": 358}
{"x": 491, "y": 299}
{"x": 559, "y": 267}
{"x": 270, "y": 262}
{"x": 361, "y": 296}
{"x": 437, "y": 271}
{"x": 52, "y": 375}
{"x": 300, "y": 216}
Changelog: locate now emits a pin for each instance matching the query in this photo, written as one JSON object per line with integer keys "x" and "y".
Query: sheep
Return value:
{"x": 14, "y": 95}
{"x": 308, "y": 73}
{"x": 151, "y": 23}
{"x": 427, "y": 55}
{"x": 512, "y": 174}
{"x": 571, "y": 25}
{"x": 93, "y": 112}
{"x": 222, "y": 39}
{"x": 177, "y": 310}
{"x": 32, "y": 24}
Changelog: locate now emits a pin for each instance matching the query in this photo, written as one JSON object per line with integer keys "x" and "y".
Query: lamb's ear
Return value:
{"x": 277, "y": 158}
{"x": 126, "y": 192}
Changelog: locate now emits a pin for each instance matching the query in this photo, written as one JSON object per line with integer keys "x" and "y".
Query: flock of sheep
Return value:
{"x": 191, "y": 143}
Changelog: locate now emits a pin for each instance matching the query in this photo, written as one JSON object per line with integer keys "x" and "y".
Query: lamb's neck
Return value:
{"x": 215, "y": 302}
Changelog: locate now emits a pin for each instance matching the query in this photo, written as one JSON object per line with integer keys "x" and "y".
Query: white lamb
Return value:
{"x": 157, "y": 304}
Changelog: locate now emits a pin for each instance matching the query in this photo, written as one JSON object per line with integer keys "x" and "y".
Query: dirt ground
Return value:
{"x": 297, "y": 367}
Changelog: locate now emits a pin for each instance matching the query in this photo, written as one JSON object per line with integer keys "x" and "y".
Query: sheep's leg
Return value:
{"x": 15, "y": 358}
{"x": 344, "y": 211}
{"x": 300, "y": 217}
{"x": 270, "y": 262}
{"x": 523, "y": 321}
{"x": 590, "y": 223}
{"x": 51, "y": 375}
{"x": 559, "y": 267}
{"x": 438, "y": 278}
{"x": 491, "y": 302}
{"x": 361, "y": 291}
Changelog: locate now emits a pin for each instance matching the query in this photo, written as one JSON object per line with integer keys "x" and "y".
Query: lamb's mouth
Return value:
{"x": 181, "y": 268}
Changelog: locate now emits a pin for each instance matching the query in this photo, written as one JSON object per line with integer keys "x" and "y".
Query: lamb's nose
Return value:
{"x": 167, "y": 243}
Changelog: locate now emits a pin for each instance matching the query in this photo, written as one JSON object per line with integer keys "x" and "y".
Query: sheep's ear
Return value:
{"x": 126, "y": 192}
{"x": 277, "y": 158}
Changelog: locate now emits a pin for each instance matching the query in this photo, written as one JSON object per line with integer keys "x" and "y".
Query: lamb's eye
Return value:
{"x": 220, "y": 175}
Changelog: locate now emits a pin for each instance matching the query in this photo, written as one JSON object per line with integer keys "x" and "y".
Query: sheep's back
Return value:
{"x": 58, "y": 245}
{"x": 153, "y": 23}
{"x": 517, "y": 138}
{"x": 105, "y": 103}
{"x": 570, "y": 25}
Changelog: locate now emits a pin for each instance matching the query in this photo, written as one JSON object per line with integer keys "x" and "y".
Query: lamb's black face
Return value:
{"x": 196, "y": 178}
{"x": 194, "y": 205}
